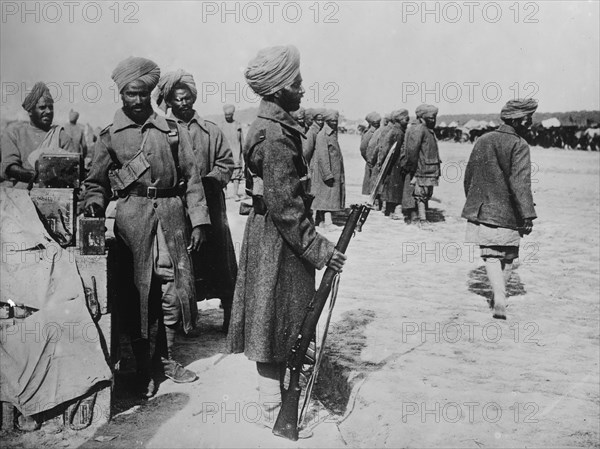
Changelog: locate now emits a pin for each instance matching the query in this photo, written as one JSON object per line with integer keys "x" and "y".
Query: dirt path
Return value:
{"x": 413, "y": 346}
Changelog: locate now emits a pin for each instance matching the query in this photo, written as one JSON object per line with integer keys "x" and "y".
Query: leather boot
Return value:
{"x": 172, "y": 369}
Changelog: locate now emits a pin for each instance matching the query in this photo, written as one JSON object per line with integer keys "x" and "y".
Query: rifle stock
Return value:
{"x": 286, "y": 425}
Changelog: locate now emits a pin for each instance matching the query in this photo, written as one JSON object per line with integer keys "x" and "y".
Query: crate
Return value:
{"x": 59, "y": 170}
{"x": 57, "y": 211}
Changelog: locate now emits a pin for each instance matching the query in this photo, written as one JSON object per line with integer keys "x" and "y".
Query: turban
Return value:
{"x": 273, "y": 69}
{"x": 518, "y": 108}
{"x": 373, "y": 117}
{"x": 38, "y": 91}
{"x": 309, "y": 113}
{"x": 73, "y": 115}
{"x": 426, "y": 110}
{"x": 399, "y": 114}
{"x": 169, "y": 80}
{"x": 331, "y": 114}
{"x": 229, "y": 109}
{"x": 300, "y": 113}
{"x": 319, "y": 111}
{"x": 135, "y": 68}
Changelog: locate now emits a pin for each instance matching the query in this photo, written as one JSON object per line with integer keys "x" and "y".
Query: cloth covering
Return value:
{"x": 515, "y": 109}
{"x": 373, "y": 117}
{"x": 38, "y": 91}
{"x": 54, "y": 355}
{"x": 228, "y": 109}
{"x": 136, "y": 68}
{"x": 273, "y": 69}
{"x": 169, "y": 80}
{"x": 426, "y": 110}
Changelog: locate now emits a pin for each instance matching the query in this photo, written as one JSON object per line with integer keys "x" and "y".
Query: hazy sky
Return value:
{"x": 358, "y": 56}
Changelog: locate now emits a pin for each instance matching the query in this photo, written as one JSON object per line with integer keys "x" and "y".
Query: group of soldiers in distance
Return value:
{"x": 415, "y": 164}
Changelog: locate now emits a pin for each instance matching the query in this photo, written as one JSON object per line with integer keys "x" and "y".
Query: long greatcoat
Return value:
{"x": 328, "y": 164}
{"x": 498, "y": 180}
{"x": 373, "y": 151}
{"x": 137, "y": 217}
{"x": 215, "y": 266}
{"x": 364, "y": 144}
{"x": 281, "y": 248}
{"x": 393, "y": 184}
{"x": 308, "y": 144}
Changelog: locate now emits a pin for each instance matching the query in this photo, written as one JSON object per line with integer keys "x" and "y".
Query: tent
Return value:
{"x": 551, "y": 123}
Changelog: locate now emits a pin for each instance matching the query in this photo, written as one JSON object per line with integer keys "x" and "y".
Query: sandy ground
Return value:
{"x": 413, "y": 349}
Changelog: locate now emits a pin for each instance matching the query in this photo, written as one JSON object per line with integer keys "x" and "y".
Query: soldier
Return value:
{"x": 327, "y": 172}
{"x": 308, "y": 118}
{"x": 233, "y": 134}
{"x": 308, "y": 145}
{"x": 499, "y": 206}
{"x": 391, "y": 191}
{"x": 215, "y": 266}
{"x": 421, "y": 160}
{"x": 22, "y": 143}
{"x": 77, "y": 133}
{"x": 281, "y": 248}
{"x": 300, "y": 116}
{"x": 374, "y": 120}
{"x": 149, "y": 163}
{"x": 372, "y": 151}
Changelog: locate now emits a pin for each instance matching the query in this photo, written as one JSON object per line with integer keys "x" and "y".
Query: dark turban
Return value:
{"x": 38, "y": 91}
{"x": 229, "y": 109}
{"x": 273, "y": 69}
{"x": 518, "y": 108}
{"x": 426, "y": 110}
{"x": 399, "y": 114}
{"x": 171, "y": 79}
{"x": 135, "y": 68}
{"x": 373, "y": 117}
{"x": 331, "y": 114}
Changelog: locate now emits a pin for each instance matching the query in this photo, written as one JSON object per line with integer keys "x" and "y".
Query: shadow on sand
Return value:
{"x": 479, "y": 284}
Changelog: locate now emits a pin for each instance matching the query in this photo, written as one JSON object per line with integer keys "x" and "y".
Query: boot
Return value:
{"x": 172, "y": 369}
{"x": 226, "y": 314}
{"x": 141, "y": 352}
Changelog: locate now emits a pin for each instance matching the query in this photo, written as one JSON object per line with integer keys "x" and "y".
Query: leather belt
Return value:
{"x": 150, "y": 192}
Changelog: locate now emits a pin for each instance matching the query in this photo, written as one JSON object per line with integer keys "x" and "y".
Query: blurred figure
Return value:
{"x": 308, "y": 144}
{"x": 374, "y": 120}
{"x": 235, "y": 139}
{"x": 77, "y": 133}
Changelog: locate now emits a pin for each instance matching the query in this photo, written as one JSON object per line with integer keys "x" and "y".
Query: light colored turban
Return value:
{"x": 171, "y": 79}
{"x": 518, "y": 108}
{"x": 426, "y": 110}
{"x": 273, "y": 69}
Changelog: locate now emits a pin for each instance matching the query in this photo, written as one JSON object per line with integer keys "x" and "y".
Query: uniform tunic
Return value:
{"x": 364, "y": 144}
{"x": 328, "y": 164}
{"x": 308, "y": 144}
{"x": 77, "y": 135}
{"x": 19, "y": 140}
{"x": 373, "y": 151}
{"x": 281, "y": 248}
{"x": 137, "y": 217}
{"x": 215, "y": 266}
{"x": 498, "y": 180}
{"x": 393, "y": 184}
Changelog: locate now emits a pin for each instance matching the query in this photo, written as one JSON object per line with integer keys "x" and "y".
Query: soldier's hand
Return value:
{"x": 337, "y": 261}
{"x": 93, "y": 210}
{"x": 197, "y": 239}
{"x": 527, "y": 226}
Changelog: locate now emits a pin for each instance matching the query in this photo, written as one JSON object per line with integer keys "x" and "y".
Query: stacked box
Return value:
{"x": 60, "y": 170}
{"x": 56, "y": 208}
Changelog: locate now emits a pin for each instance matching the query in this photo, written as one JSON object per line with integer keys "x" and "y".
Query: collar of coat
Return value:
{"x": 196, "y": 118}
{"x": 504, "y": 128}
{"x": 272, "y": 111}
{"x": 121, "y": 121}
{"x": 328, "y": 129}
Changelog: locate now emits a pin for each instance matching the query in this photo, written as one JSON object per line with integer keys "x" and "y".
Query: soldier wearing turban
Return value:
{"x": 328, "y": 181}
{"x": 281, "y": 248}
{"x": 232, "y": 129}
{"x": 215, "y": 266}
{"x": 77, "y": 134}
{"x": 420, "y": 161}
{"x": 499, "y": 207}
{"x": 22, "y": 143}
{"x": 315, "y": 116}
{"x": 374, "y": 121}
{"x": 151, "y": 228}
{"x": 391, "y": 190}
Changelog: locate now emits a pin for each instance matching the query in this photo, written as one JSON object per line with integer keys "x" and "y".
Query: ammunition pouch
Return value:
{"x": 259, "y": 206}
{"x": 130, "y": 172}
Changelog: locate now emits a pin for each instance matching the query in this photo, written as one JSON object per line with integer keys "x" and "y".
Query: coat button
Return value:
{"x": 152, "y": 180}
{"x": 155, "y": 205}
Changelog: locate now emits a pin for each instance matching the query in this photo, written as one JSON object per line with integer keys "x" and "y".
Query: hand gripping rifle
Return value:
{"x": 286, "y": 425}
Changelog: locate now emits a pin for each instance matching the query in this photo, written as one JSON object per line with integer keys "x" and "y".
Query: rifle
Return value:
{"x": 286, "y": 425}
